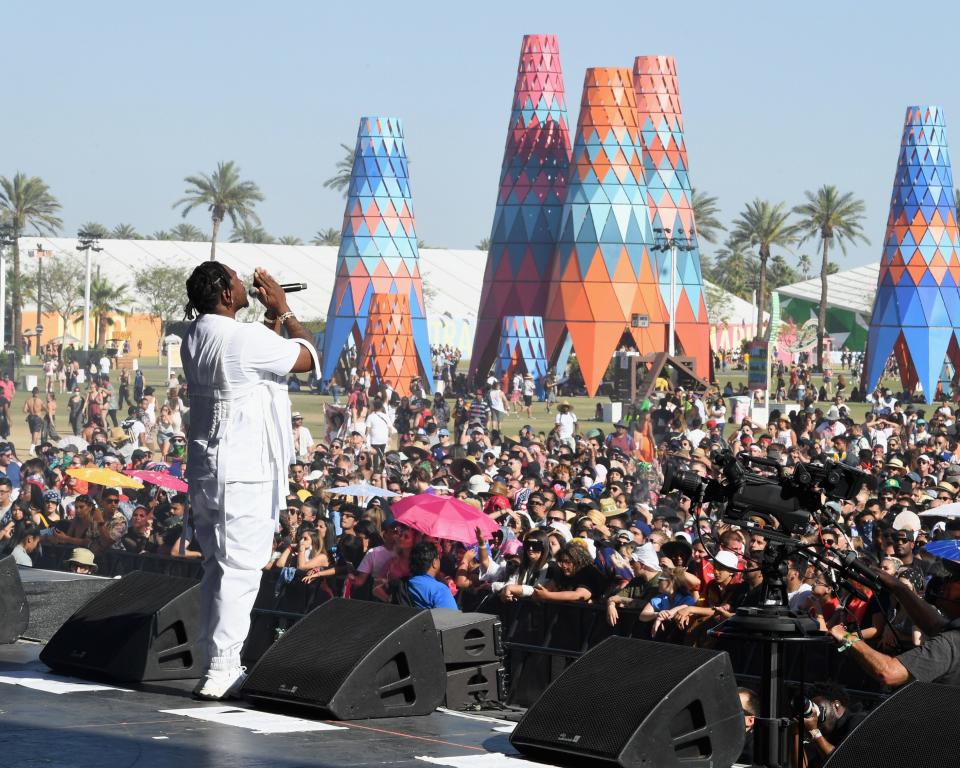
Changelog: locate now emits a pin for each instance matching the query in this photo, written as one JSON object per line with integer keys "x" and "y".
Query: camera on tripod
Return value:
{"x": 751, "y": 485}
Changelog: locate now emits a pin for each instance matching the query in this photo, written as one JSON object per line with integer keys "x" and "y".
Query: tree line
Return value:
{"x": 751, "y": 258}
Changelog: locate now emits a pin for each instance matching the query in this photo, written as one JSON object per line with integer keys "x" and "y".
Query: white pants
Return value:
{"x": 231, "y": 578}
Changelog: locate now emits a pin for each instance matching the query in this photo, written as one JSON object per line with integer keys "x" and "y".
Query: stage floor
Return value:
{"x": 54, "y": 721}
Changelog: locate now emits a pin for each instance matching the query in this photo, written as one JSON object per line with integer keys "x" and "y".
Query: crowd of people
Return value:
{"x": 581, "y": 515}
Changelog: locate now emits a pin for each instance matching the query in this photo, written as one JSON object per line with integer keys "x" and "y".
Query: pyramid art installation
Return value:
{"x": 669, "y": 200}
{"x": 533, "y": 181}
{"x": 522, "y": 349}
{"x": 378, "y": 246}
{"x": 603, "y": 286}
{"x": 916, "y": 314}
{"x": 388, "y": 350}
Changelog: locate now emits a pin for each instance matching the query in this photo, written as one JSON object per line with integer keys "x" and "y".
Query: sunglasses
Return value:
{"x": 533, "y": 546}
{"x": 557, "y": 519}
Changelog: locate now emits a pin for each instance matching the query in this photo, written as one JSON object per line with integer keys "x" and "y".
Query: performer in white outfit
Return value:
{"x": 240, "y": 447}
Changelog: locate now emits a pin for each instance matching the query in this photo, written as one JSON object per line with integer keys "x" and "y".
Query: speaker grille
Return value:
{"x": 613, "y": 682}
{"x": 914, "y": 728}
{"x": 312, "y": 661}
{"x": 135, "y": 596}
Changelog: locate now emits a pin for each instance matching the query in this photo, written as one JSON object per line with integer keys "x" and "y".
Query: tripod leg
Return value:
{"x": 770, "y": 736}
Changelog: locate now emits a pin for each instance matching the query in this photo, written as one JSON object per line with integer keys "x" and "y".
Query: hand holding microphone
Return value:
{"x": 270, "y": 293}
{"x": 285, "y": 287}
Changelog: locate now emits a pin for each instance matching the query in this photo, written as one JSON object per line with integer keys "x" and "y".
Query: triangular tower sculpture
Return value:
{"x": 388, "y": 349}
{"x": 533, "y": 181}
{"x": 916, "y": 314}
{"x": 603, "y": 284}
{"x": 669, "y": 200}
{"x": 378, "y": 246}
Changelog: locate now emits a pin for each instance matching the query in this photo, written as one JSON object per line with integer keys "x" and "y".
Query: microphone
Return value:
{"x": 864, "y": 574}
{"x": 285, "y": 287}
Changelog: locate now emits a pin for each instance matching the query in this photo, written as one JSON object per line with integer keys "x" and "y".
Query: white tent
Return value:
{"x": 452, "y": 278}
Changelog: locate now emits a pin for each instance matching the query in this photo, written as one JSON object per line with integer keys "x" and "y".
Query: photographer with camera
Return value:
{"x": 827, "y": 722}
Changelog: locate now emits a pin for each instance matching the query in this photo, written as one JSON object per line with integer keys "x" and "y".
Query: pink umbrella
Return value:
{"x": 443, "y": 517}
{"x": 160, "y": 479}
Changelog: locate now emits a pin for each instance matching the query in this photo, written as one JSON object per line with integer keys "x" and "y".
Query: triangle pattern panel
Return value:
{"x": 669, "y": 194}
{"x": 522, "y": 348}
{"x": 533, "y": 184}
{"x": 915, "y": 314}
{"x": 602, "y": 274}
{"x": 378, "y": 244}
{"x": 389, "y": 350}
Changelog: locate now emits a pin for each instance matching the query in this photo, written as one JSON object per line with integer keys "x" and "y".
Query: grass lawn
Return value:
{"x": 312, "y": 407}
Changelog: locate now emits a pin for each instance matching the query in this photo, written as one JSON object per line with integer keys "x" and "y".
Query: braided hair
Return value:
{"x": 204, "y": 286}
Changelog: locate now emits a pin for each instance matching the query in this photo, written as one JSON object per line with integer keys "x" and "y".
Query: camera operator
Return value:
{"x": 828, "y": 723}
{"x": 937, "y": 660}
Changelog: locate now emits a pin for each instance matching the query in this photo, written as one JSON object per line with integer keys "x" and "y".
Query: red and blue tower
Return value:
{"x": 533, "y": 181}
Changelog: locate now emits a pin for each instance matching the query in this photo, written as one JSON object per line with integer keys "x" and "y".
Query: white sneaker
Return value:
{"x": 219, "y": 684}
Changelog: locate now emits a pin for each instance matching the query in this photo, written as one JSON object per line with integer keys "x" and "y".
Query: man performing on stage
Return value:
{"x": 240, "y": 447}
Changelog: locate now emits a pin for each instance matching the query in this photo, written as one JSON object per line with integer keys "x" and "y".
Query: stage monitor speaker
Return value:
{"x": 637, "y": 703}
{"x": 352, "y": 659}
{"x": 142, "y": 627}
{"x": 468, "y": 638}
{"x": 476, "y": 685}
{"x": 14, "y": 611}
{"x": 911, "y": 729}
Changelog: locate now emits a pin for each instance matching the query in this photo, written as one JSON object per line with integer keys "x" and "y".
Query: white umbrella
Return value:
{"x": 73, "y": 441}
{"x": 362, "y": 489}
{"x": 947, "y": 510}
{"x": 66, "y": 339}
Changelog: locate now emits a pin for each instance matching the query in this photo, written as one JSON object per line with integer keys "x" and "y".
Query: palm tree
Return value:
{"x": 26, "y": 202}
{"x": 246, "y": 232}
{"x": 328, "y": 236}
{"x": 705, "y": 216}
{"x": 340, "y": 181}
{"x": 94, "y": 229}
{"x": 125, "y": 232}
{"x": 763, "y": 225}
{"x": 290, "y": 240}
{"x": 831, "y": 216}
{"x": 161, "y": 234}
{"x": 803, "y": 261}
{"x": 225, "y": 195}
{"x": 106, "y": 299}
{"x": 483, "y": 245}
{"x": 733, "y": 269}
{"x": 187, "y": 233}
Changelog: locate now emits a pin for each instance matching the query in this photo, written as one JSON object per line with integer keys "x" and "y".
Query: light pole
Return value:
{"x": 88, "y": 243}
{"x": 663, "y": 242}
{"x": 6, "y": 241}
{"x": 40, "y": 255}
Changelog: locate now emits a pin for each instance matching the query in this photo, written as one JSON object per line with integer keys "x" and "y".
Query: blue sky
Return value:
{"x": 113, "y": 104}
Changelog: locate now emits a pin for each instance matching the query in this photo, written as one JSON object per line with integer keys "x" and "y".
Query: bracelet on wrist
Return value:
{"x": 815, "y": 734}
{"x": 286, "y": 316}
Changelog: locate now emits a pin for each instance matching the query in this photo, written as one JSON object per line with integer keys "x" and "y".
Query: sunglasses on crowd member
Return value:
{"x": 900, "y": 539}
{"x": 557, "y": 519}
{"x": 533, "y": 546}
